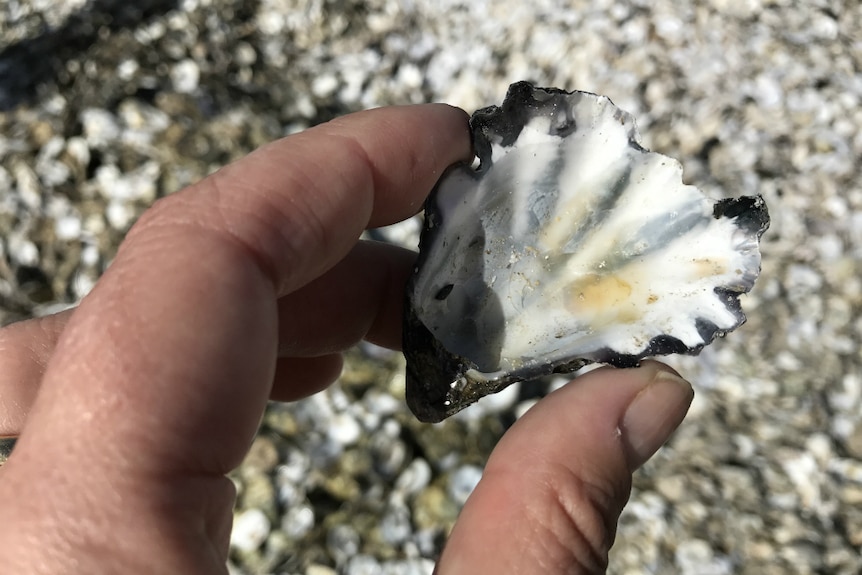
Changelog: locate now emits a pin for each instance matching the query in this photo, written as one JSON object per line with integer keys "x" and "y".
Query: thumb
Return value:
{"x": 553, "y": 489}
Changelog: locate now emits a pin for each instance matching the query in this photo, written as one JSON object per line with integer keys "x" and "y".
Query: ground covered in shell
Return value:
{"x": 105, "y": 107}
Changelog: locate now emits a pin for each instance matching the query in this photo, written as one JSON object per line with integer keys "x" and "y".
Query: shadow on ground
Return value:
{"x": 36, "y": 61}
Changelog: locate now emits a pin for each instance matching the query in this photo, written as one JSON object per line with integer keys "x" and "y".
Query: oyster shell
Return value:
{"x": 569, "y": 244}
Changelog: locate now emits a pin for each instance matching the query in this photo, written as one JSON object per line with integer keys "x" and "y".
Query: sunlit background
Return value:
{"x": 107, "y": 105}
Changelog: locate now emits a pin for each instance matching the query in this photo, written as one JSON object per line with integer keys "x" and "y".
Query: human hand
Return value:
{"x": 248, "y": 285}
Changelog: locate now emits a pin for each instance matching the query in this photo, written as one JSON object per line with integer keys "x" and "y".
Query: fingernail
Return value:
{"x": 653, "y": 415}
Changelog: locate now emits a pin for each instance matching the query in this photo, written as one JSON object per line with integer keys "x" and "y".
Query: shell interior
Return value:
{"x": 570, "y": 244}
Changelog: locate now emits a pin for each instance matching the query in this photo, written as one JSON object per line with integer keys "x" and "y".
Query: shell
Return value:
{"x": 569, "y": 244}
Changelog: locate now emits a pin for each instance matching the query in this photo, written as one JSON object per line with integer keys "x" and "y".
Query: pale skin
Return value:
{"x": 248, "y": 286}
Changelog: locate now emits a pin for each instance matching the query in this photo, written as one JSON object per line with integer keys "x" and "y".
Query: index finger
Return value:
{"x": 364, "y": 170}
{"x": 171, "y": 356}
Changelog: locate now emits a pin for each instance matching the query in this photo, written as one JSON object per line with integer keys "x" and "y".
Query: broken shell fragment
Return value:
{"x": 569, "y": 244}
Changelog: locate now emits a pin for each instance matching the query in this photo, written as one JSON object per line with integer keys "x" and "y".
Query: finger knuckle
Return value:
{"x": 577, "y": 519}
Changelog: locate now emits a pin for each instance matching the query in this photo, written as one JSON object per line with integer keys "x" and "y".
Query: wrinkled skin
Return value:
{"x": 247, "y": 286}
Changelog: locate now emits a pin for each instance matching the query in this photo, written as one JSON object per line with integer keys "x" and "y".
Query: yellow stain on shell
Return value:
{"x": 708, "y": 267}
{"x": 605, "y": 297}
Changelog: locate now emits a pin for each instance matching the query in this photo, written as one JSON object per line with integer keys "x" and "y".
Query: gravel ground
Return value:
{"x": 106, "y": 107}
